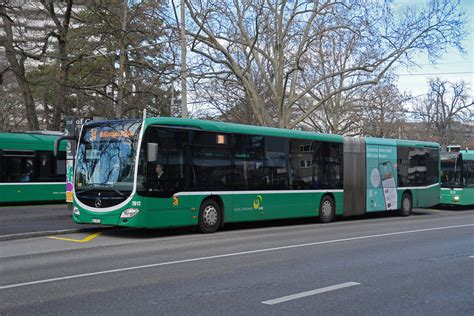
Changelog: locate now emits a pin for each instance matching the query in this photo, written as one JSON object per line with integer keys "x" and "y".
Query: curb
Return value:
{"x": 53, "y": 232}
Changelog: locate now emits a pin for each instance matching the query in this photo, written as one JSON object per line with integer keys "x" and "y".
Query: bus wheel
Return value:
{"x": 327, "y": 210}
{"x": 406, "y": 205}
{"x": 209, "y": 217}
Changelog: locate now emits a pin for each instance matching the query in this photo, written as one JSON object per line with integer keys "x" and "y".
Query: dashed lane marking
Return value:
{"x": 229, "y": 255}
{"x": 309, "y": 293}
{"x": 86, "y": 239}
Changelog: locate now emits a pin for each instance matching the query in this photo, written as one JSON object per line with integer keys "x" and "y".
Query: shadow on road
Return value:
{"x": 143, "y": 233}
{"x": 454, "y": 207}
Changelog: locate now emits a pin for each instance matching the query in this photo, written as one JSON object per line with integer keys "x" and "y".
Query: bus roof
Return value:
{"x": 465, "y": 154}
{"x": 271, "y": 131}
{"x": 28, "y": 141}
{"x": 400, "y": 142}
{"x": 242, "y": 129}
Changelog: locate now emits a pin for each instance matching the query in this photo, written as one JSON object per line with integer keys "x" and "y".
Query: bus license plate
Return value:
{"x": 96, "y": 221}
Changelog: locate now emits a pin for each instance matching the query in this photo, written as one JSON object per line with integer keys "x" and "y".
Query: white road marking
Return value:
{"x": 471, "y": 257}
{"x": 309, "y": 293}
{"x": 153, "y": 265}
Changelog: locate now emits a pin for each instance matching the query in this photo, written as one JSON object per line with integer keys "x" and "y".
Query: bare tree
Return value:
{"x": 341, "y": 114}
{"x": 374, "y": 110}
{"x": 445, "y": 106}
{"x": 281, "y": 53}
{"x": 16, "y": 57}
{"x": 384, "y": 111}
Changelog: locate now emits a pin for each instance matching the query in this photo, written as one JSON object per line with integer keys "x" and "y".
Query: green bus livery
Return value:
{"x": 457, "y": 178}
{"x": 169, "y": 172}
{"x": 29, "y": 172}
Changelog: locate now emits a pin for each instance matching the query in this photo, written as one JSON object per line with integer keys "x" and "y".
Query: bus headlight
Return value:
{"x": 456, "y": 198}
{"x": 129, "y": 213}
{"x": 76, "y": 211}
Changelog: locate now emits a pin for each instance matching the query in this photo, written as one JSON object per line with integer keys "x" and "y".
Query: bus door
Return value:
{"x": 162, "y": 178}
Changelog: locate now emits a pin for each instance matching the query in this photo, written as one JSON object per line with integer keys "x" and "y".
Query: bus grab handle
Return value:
{"x": 58, "y": 141}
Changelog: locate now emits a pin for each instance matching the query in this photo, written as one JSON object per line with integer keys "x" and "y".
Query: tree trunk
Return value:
{"x": 61, "y": 107}
{"x": 62, "y": 28}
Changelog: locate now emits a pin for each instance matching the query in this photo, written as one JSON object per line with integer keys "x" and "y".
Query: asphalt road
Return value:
{"x": 423, "y": 264}
{"x": 21, "y": 219}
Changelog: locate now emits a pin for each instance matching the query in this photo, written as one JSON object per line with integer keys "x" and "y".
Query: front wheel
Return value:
{"x": 210, "y": 217}
{"x": 407, "y": 205}
{"x": 327, "y": 210}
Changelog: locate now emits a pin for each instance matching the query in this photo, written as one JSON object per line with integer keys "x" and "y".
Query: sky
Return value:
{"x": 452, "y": 66}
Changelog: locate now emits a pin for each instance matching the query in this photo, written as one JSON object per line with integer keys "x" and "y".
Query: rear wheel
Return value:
{"x": 327, "y": 210}
{"x": 407, "y": 205}
{"x": 210, "y": 217}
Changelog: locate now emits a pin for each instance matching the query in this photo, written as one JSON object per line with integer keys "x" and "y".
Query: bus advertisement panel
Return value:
{"x": 382, "y": 184}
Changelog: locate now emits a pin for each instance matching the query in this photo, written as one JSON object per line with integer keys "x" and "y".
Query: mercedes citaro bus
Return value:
{"x": 457, "y": 178}
{"x": 169, "y": 172}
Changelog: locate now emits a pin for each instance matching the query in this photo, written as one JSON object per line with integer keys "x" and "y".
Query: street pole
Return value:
{"x": 121, "y": 78}
{"x": 184, "y": 72}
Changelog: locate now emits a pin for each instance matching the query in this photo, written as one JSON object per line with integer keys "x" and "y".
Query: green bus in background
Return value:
{"x": 457, "y": 178}
{"x": 29, "y": 172}
{"x": 169, "y": 172}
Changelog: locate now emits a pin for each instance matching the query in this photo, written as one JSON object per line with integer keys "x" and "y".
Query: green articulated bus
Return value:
{"x": 168, "y": 172}
{"x": 457, "y": 178}
{"x": 29, "y": 172}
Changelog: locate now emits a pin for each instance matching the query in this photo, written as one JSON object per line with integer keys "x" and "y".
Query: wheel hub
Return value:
{"x": 406, "y": 204}
{"x": 210, "y": 215}
{"x": 326, "y": 209}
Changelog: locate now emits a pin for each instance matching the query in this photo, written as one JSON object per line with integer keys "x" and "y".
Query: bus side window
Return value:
{"x": 302, "y": 164}
{"x": 211, "y": 161}
{"x": 328, "y": 165}
{"x": 51, "y": 169}
{"x": 19, "y": 168}
{"x": 468, "y": 174}
{"x": 61, "y": 165}
{"x": 432, "y": 173}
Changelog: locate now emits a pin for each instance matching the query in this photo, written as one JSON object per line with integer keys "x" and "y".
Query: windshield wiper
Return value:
{"x": 87, "y": 190}
{"x": 117, "y": 191}
{"x": 98, "y": 187}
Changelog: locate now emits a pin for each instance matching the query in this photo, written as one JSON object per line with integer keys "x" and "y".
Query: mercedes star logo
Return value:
{"x": 98, "y": 203}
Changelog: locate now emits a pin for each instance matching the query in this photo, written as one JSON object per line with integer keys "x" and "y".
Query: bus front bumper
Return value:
{"x": 125, "y": 218}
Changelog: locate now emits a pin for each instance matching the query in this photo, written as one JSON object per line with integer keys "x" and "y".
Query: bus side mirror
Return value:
{"x": 152, "y": 152}
{"x": 58, "y": 140}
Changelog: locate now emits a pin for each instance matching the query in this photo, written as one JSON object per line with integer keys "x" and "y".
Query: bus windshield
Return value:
{"x": 106, "y": 157}
{"x": 451, "y": 172}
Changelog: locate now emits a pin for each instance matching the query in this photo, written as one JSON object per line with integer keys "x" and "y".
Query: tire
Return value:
{"x": 327, "y": 210}
{"x": 406, "y": 206}
{"x": 210, "y": 217}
